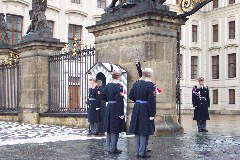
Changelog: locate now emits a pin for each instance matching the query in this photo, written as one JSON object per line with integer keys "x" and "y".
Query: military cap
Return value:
{"x": 200, "y": 79}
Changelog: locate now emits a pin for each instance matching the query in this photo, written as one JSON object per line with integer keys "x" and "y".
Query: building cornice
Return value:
{"x": 96, "y": 16}
{"x": 230, "y": 45}
{"x": 214, "y": 48}
{"x": 76, "y": 12}
{"x": 17, "y": 1}
{"x": 195, "y": 48}
{"x": 183, "y": 46}
{"x": 53, "y": 8}
{"x": 223, "y": 9}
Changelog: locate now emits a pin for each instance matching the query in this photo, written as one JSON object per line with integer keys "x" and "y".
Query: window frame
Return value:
{"x": 76, "y": 1}
{"x": 215, "y": 67}
{"x": 100, "y": 5}
{"x": 194, "y": 67}
{"x": 231, "y": 2}
{"x": 232, "y": 96}
{"x": 215, "y": 96}
{"x": 50, "y": 21}
{"x": 215, "y": 32}
{"x": 233, "y": 62}
{"x": 194, "y": 33}
{"x": 13, "y": 27}
{"x": 215, "y": 4}
{"x": 231, "y": 28}
{"x": 74, "y": 33}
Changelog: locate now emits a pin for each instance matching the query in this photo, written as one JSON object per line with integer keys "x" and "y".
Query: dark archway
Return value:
{"x": 101, "y": 76}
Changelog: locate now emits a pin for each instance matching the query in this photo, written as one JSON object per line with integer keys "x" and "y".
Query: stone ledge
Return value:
{"x": 63, "y": 115}
{"x": 8, "y": 113}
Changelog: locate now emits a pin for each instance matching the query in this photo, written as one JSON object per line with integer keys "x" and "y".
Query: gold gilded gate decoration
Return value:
{"x": 189, "y": 7}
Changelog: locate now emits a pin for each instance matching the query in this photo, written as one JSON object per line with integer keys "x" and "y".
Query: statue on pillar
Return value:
{"x": 38, "y": 17}
{"x": 3, "y": 30}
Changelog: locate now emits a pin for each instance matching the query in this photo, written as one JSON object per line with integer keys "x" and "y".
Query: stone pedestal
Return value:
{"x": 34, "y": 78}
{"x": 145, "y": 32}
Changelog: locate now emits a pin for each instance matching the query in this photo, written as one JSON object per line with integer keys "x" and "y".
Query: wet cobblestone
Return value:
{"x": 222, "y": 142}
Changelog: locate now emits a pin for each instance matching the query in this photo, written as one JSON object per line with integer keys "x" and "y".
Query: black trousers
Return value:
{"x": 201, "y": 124}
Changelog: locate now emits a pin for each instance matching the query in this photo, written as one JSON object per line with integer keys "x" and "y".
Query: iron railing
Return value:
{"x": 68, "y": 81}
{"x": 178, "y": 87}
{"x": 9, "y": 87}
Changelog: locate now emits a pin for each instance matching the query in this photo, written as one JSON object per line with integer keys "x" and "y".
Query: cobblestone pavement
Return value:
{"x": 35, "y": 142}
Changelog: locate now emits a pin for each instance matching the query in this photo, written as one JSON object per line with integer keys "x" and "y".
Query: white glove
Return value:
{"x": 151, "y": 118}
{"x": 97, "y": 109}
{"x": 121, "y": 117}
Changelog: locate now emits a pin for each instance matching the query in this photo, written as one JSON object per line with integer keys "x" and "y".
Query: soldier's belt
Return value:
{"x": 141, "y": 102}
{"x": 112, "y": 102}
{"x": 92, "y": 99}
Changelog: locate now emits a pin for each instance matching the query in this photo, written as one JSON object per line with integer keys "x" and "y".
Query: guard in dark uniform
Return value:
{"x": 143, "y": 93}
{"x": 114, "y": 122}
{"x": 201, "y": 102}
{"x": 94, "y": 104}
{"x": 102, "y": 110}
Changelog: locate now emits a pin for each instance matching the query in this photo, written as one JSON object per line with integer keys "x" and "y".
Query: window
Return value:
{"x": 101, "y": 3}
{"x": 215, "y": 4}
{"x": 76, "y": 1}
{"x": 215, "y": 96}
{"x": 215, "y": 67}
{"x": 51, "y": 26}
{"x": 232, "y": 30}
{"x": 194, "y": 33}
{"x": 215, "y": 33}
{"x": 74, "y": 30}
{"x": 231, "y": 96}
{"x": 194, "y": 67}
{"x": 14, "y": 28}
{"x": 232, "y": 65}
{"x": 231, "y": 1}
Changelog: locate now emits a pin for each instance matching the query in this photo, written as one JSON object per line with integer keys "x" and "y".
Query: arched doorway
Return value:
{"x": 101, "y": 76}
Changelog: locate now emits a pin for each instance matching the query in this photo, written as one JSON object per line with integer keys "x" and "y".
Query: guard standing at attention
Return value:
{"x": 94, "y": 104}
{"x": 114, "y": 122}
{"x": 102, "y": 110}
{"x": 143, "y": 93}
{"x": 201, "y": 103}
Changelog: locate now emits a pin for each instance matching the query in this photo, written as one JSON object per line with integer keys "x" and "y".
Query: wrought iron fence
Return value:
{"x": 178, "y": 87}
{"x": 9, "y": 87}
{"x": 68, "y": 81}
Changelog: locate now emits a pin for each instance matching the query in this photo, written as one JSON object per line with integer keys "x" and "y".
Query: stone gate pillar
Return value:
{"x": 34, "y": 69}
{"x": 145, "y": 32}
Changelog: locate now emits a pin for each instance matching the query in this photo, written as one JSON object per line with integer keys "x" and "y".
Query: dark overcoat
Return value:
{"x": 102, "y": 114}
{"x": 112, "y": 121}
{"x": 201, "y": 102}
{"x": 140, "y": 123}
{"x": 94, "y": 101}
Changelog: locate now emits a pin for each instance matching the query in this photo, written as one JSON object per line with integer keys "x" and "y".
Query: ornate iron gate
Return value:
{"x": 9, "y": 87}
{"x": 68, "y": 81}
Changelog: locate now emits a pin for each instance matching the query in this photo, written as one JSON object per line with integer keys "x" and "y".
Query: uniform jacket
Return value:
{"x": 94, "y": 101}
{"x": 114, "y": 92}
{"x": 140, "y": 123}
{"x": 201, "y": 102}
